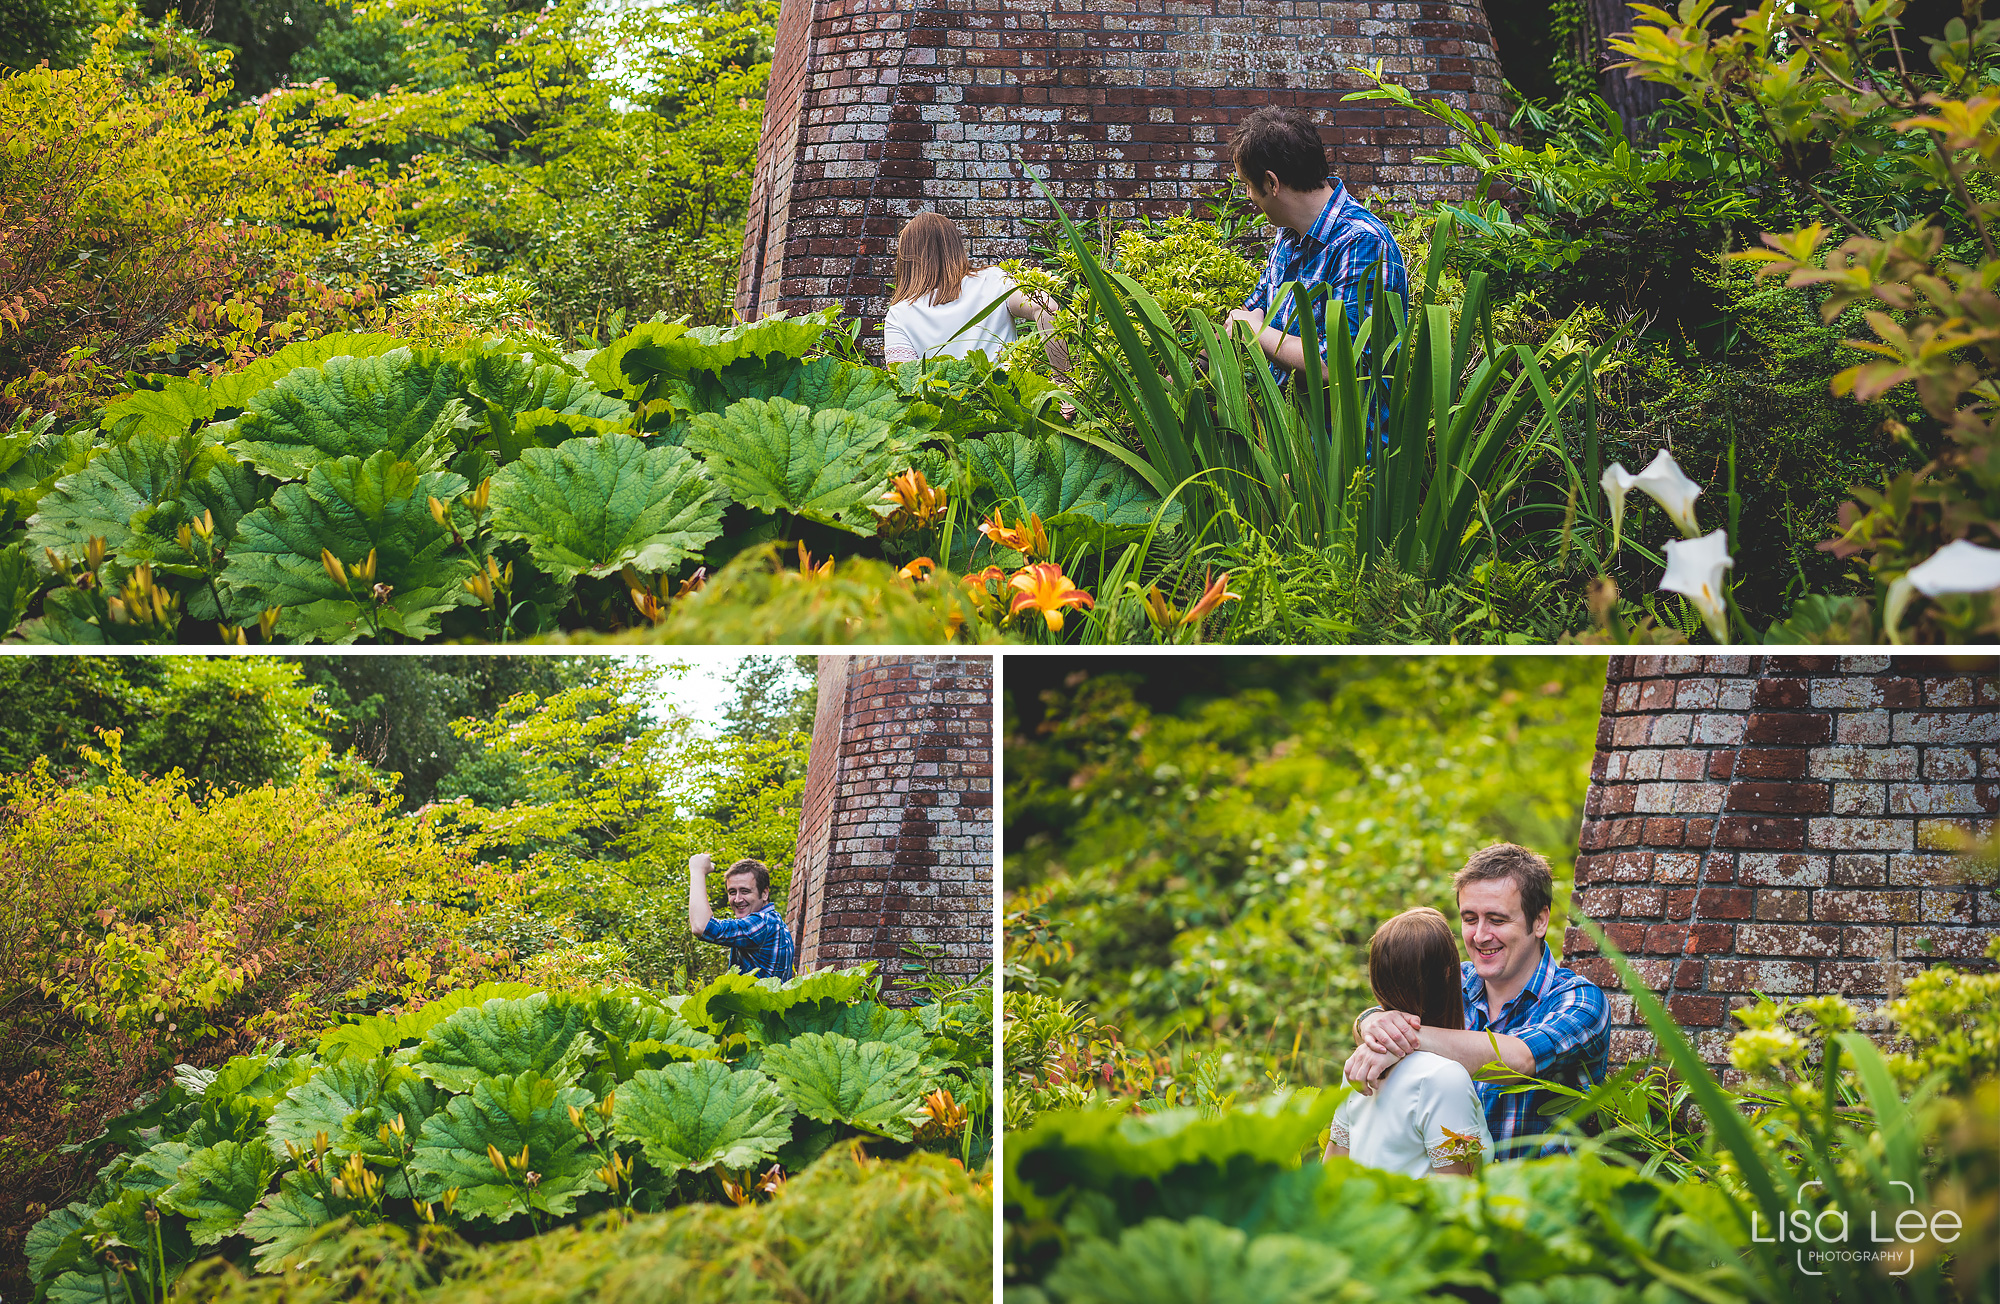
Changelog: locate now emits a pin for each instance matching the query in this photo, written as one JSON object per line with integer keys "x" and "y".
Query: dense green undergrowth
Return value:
{"x": 1671, "y": 1177}
{"x": 500, "y": 1112}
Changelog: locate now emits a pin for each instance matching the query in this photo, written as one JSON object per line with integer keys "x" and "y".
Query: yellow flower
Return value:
{"x": 1044, "y": 588}
{"x": 1214, "y": 595}
{"x": 1028, "y": 538}
{"x": 917, "y": 502}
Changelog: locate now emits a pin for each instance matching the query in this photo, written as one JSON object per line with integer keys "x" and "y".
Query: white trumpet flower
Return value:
{"x": 1665, "y": 483}
{"x": 1617, "y": 482}
{"x": 1961, "y": 566}
{"x": 1694, "y": 570}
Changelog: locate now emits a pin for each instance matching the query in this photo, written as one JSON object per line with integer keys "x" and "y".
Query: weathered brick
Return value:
{"x": 1820, "y": 941}
{"x": 1777, "y": 977}
{"x": 1839, "y": 832}
{"x": 1947, "y": 727}
{"x": 1890, "y": 763}
{"x": 1763, "y": 833}
{"x": 1890, "y": 907}
{"x": 1859, "y": 871}
{"x": 1783, "y": 904}
{"x": 1764, "y": 869}
{"x": 1710, "y": 903}
{"x": 1788, "y": 730}
{"x": 1779, "y": 798}
{"x": 1939, "y": 799}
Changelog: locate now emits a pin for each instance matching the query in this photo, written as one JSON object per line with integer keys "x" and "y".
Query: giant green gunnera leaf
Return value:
{"x": 873, "y": 1086}
{"x": 402, "y": 402}
{"x": 591, "y": 506}
{"x": 547, "y": 1036}
{"x": 349, "y": 507}
{"x": 508, "y": 1113}
{"x": 775, "y": 455}
{"x": 696, "y": 1115}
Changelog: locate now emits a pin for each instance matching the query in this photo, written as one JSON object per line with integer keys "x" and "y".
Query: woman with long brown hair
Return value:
{"x": 942, "y": 307}
{"x": 1424, "y": 1115}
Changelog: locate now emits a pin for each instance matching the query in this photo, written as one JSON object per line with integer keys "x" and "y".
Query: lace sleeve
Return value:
{"x": 1447, "y": 1154}
{"x": 1339, "y": 1136}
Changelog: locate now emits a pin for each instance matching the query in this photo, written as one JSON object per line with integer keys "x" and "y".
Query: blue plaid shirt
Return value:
{"x": 1566, "y": 1024}
{"x": 758, "y": 944}
{"x": 1340, "y": 251}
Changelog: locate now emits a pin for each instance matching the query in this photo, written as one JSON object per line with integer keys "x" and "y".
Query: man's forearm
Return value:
{"x": 1474, "y": 1050}
{"x": 698, "y": 912}
{"x": 1285, "y": 350}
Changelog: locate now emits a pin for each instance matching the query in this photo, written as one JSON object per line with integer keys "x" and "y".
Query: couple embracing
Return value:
{"x": 1419, "y": 1104}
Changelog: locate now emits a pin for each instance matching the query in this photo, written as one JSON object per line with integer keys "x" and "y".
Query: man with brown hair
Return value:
{"x": 758, "y": 941}
{"x": 1325, "y": 236}
{"x": 1546, "y": 1021}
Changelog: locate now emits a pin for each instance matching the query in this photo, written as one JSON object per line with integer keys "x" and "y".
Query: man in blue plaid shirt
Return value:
{"x": 758, "y": 941}
{"x": 1548, "y": 1021}
{"x": 1325, "y": 235}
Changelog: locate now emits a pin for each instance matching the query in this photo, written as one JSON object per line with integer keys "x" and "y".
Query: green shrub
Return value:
{"x": 617, "y": 1099}
{"x": 1214, "y": 872}
{"x": 848, "y": 1230}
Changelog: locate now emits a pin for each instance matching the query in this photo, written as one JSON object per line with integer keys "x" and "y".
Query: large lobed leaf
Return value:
{"x": 1069, "y": 484}
{"x": 349, "y": 507}
{"x": 367, "y": 1037}
{"x": 508, "y": 1113}
{"x": 503, "y": 387}
{"x": 218, "y": 1185}
{"x": 734, "y": 1000}
{"x": 533, "y": 1033}
{"x": 872, "y": 1086}
{"x": 829, "y": 466}
{"x": 403, "y": 402}
{"x": 137, "y": 495}
{"x": 694, "y": 1116}
{"x": 592, "y": 506}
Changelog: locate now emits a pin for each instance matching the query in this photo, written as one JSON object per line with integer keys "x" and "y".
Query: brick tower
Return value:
{"x": 896, "y": 829}
{"x": 1785, "y": 825}
{"x": 880, "y": 109}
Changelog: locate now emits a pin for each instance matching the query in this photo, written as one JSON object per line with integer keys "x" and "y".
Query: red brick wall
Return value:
{"x": 1784, "y": 824}
{"x": 896, "y": 831}
{"x": 880, "y": 110}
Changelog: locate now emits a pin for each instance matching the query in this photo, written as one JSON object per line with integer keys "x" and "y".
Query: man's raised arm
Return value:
{"x": 698, "y": 912}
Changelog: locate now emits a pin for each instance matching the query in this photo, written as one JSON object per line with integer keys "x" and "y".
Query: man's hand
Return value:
{"x": 1365, "y": 1068}
{"x": 1252, "y": 317}
{"x": 1391, "y": 1032}
{"x": 699, "y": 914}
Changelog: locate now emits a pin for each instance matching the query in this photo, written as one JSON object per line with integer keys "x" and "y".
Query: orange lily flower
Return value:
{"x": 918, "y": 570}
{"x": 806, "y": 566}
{"x": 917, "y": 502}
{"x": 1046, "y": 589}
{"x": 1212, "y": 597}
{"x": 1027, "y": 538}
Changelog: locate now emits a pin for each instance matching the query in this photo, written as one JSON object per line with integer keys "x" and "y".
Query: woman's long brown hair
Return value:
{"x": 1413, "y": 967}
{"x": 930, "y": 260}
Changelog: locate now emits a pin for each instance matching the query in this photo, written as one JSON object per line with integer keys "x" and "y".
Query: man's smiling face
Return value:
{"x": 744, "y": 898}
{"x": 1503, "y": 943}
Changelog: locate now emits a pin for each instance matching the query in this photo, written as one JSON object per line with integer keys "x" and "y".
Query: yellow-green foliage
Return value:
{"x": 616, "y": 800}
{"x": 1220, "y": 869}
{"x": 764, "y": 597}
{"x": 150, "y": 905}
{"x": 848, "y": 1230}
{"x": 150, "y": 215}
{"x": 1182, "y": 263}
{"x": 1952, "y": 1019}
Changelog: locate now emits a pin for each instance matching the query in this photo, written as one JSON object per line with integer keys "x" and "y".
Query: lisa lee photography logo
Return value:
{"x": 1829, "y": 1235}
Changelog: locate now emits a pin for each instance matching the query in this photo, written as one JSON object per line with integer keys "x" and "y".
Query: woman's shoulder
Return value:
{"x": 1436, "y": 1070}
{"x": 994, "y": 275}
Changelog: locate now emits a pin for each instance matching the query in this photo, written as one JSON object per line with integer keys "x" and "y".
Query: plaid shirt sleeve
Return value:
{"x": 1577, "y": 1016}
{"x": 758, "y": 929}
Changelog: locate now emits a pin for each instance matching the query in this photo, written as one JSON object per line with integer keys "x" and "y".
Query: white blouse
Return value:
{"x": 1402, "y": 1126}
{"x": 918, "y": 328}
